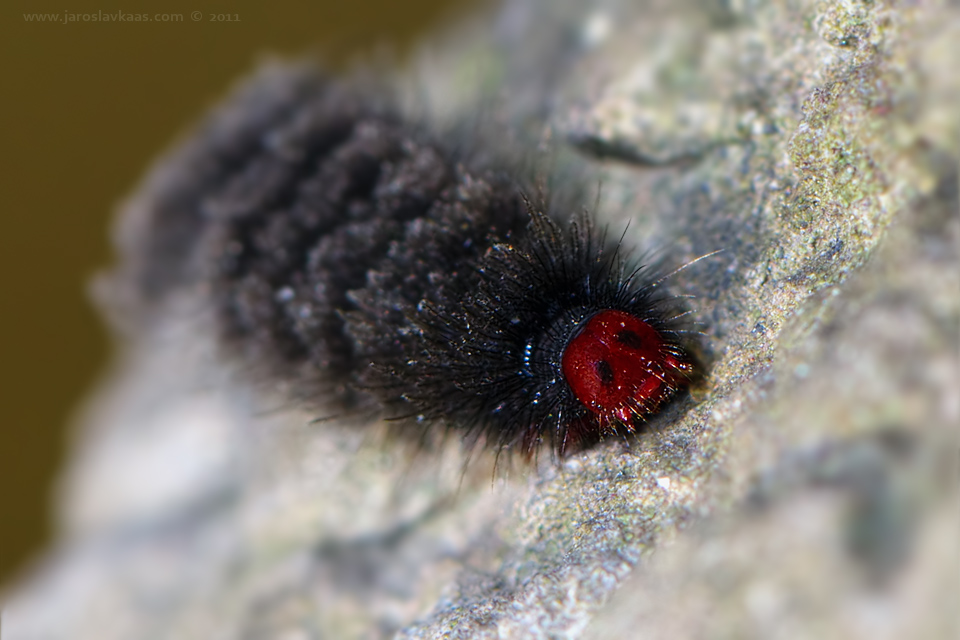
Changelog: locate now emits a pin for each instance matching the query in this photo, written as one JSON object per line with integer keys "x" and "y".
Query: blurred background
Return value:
{"x": 88, "y": 106}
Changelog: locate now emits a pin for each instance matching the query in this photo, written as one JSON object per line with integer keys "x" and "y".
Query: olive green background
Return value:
{"x": 86, "y": 107}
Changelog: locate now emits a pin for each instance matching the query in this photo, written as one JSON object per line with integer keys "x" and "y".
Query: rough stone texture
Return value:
{"x": 807, "y": 490}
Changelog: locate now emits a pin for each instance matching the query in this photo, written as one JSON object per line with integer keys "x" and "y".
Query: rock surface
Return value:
{"x": 803, "y": 491}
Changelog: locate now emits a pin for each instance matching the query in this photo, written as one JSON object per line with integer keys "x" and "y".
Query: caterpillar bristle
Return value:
{"x": 335, "y": 238}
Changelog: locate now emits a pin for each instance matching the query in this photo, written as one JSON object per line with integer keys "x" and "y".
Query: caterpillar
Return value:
{"x": 391, "y": 271}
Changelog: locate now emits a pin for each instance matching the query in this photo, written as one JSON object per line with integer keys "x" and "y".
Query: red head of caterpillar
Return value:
{"x": 621, "y": 368}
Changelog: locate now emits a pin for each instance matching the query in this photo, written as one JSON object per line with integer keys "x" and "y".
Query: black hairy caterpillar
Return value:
{"x": 393, "y": 271}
